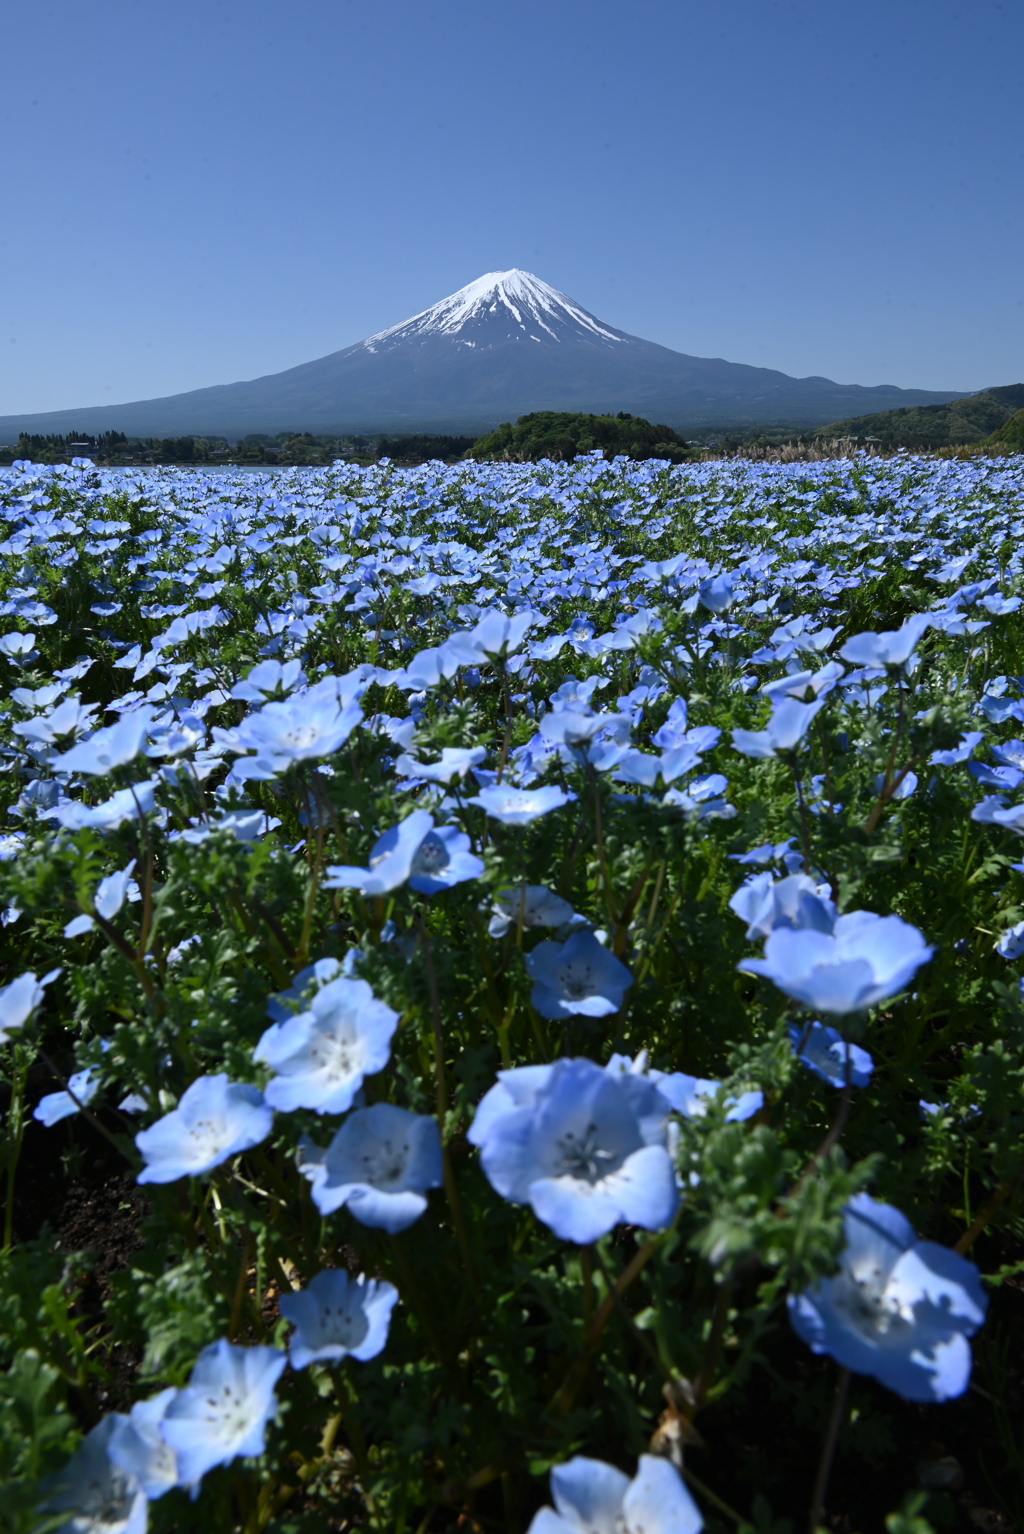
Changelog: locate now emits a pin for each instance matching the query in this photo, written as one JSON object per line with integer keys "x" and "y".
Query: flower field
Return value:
{"x": 511, "y": 1014}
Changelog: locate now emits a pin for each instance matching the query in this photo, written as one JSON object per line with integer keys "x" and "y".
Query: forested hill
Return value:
{"x": 562, "y": 434}
{"x": 970, "y": 419}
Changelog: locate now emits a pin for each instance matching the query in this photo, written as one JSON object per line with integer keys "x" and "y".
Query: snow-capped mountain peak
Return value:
{"x": 496, "y": 307}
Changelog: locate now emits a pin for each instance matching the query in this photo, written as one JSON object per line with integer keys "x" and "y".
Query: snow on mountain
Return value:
{"x": 513, "y": 305}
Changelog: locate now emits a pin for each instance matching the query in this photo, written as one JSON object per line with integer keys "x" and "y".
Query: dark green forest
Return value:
{"x": 559, "y": 434}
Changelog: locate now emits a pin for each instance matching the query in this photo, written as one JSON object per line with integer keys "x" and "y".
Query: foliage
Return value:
{"x": 971, "y": 419}
{"x": 561, "y": 434}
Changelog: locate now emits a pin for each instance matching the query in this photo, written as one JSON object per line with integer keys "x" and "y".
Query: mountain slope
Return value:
{"x": 1011, "y": 434}
{"x": 503, "y": 346}
{"x": 962, "y": 420}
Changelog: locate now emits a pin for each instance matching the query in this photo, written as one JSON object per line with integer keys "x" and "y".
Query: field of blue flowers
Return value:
{"x": 511, "y": 1010}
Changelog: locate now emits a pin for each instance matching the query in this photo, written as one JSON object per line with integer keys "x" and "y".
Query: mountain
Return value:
{"x": 503, "y": 346}
{"x": 962, "y": 420}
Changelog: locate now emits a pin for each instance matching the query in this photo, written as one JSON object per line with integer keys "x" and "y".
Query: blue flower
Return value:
{"x": 690, "y": 1096}
{"x": 61, "y": 1105}
{"x": 825, "y": 1052}
{"x": 337, "y": 1316}
{"x": 864, "y": 960}
{"x": 126, "y": 804}
{"x": 518, "y": 806}
{"x": 586, "y": 1149}
{"x": 106, "y": 749}
{"x": 534, "y": 905}
{"x": 215, "y": 1119}
{"x": 716, "y": 593}
{"x": 314, "y": 723}
{"x": 322, "y": 1055}
{"x": 222, "y": 1412}
{"x": 797, "y": 901}
{"x": 898, "y": 1308}
{"x": 19, "y": 999}
{"x": 379, "y": 1165}
{"x": 893, "y": 648}
{"x": 577, "y": 976}
{"x": 455, "y": 762}
{"x": 785, "y": 730}
{"x": 100, "y": 1497}
{"x": 414, "y": 851}
{"x": 1011, "y": 943}
{"x": 138, "y": 1446}
{"x": 592, "y": 1497}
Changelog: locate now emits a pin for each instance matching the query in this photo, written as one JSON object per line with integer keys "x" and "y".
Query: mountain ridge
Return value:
{"x": 505, "y": 345}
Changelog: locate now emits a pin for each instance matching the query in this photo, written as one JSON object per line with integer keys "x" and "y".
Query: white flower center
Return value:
{"x": 862, "y": 1293}
{"x": 227, "y": 1415}
{"x": 385, "y": 1165}
{"x": 431, "y": 856}
{"x": 575, "y": 980}
{"x": 583, "y": 1158}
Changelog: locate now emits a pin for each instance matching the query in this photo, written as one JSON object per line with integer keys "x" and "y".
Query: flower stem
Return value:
{"x": 828, "y": 1449}
{"x": 451, "y": 1187}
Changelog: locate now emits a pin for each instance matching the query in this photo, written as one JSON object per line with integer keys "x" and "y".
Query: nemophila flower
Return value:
{"x": 126, "y": 804}
{"x": 575, "y": 695}
{"x": 379, "y": 1166}
{"x": 61, "y": 1105}
{"x": 99, "y": 1496}
{"x": 701, "y": 799}
{"x": 865, "y": 959}
{"x": 1009, "y": 752}
{"x": 643, "y": 768}
{"x": 111, "y": 894}
{"x": 314, "y": 724}
{"x": 533, "y": 905}
{"x": 892, "y": 648}
{"x": 592, "y": 1497}
{"x": 769, "y": 852}
{"x": 898, "y": 1309}
{"x": 994, "y": 810}
{"x": 268, "y": 678}
{"x": 691, "y": 1096}
{"x": 455, "y": 762}
{"x": 223, "y": 1410}
{"x": 322, "y": 1055}
{"x": 519, "y": 806}
{"x": 19, "y": 999}
{"x": 586, "y": 1152}
{"x": 69, "y": 718}
{"x": 569, "y": 727}
{"x": 766, "y": 903}
{"x": 17, "y": 647}
{"x": 416, "y": 852}
{"x": 717, "y": 593}
{"x": 137, "y": 1445}
{"x": 577, "y": 976}
{"x": 215, "y": 1119}
{"x": 960, "y": 753}
{"x": 1011, "y": 943}
{"x": 495, "y": 634}
{"x": 337, "y": 1316}
{"x": 797, "y": 684}
{"x": 113, "y": 747}
{"x": 824, "y": 1051}
{"x": 784, "y": 731}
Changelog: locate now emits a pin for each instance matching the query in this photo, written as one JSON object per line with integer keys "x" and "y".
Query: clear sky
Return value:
{"x": 209, "y": 190}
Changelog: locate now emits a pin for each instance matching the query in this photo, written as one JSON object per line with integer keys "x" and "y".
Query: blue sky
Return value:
{"x": 212, "y": 190}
